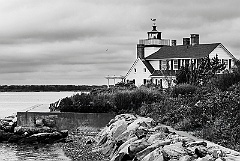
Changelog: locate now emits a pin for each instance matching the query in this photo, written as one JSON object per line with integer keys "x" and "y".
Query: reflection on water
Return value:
{"x": 48, "y": 152}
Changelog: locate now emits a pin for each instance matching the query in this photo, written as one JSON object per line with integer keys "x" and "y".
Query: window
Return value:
{"x": 225, "y": 61}
{"x": 135, "y": 70}
{"x": 175, "y": 64}
{"x": 160, "y": 83}
{"x": 164, "y": 65}
{"x": 144, "y": 81}
{"x": 144, "y": 70}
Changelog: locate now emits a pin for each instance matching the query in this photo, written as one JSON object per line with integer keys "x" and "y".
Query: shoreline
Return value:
{"x": 77, "y": 147}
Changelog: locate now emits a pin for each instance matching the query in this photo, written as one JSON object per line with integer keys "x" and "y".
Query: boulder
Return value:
{"x": 15, "y": 138}
{"x": 4, "y": 136}
{"x": 156, "y": 136}
{"x": 138, "y": 146}
{"x": 32, "y": 130}
{"x": 64, "y": 133}
{"x": 155, "y": 155}
{"x": 174, "y": 150}
{"x": 131, "y": 137}
{"x": 140, "y": 121}
{"x": 119, "y": 128}
{"x": 42, "y": 138}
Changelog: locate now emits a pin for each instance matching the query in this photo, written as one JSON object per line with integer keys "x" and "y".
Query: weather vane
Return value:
{"x": 154, "y": 21}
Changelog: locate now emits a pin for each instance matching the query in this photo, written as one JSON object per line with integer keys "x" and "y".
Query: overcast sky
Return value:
{"x": 82, "y": 41}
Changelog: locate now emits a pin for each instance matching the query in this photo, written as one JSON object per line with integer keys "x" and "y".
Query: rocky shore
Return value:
{"x": 44, "y": 131}
{"x": 81, "y": 145}
{"x": 133, "y": 138}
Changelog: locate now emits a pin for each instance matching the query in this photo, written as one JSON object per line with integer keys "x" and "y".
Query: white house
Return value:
{"x": 158, "y": 61}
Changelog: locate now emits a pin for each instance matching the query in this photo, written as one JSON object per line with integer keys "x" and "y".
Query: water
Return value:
{"x": 12, "y": 102}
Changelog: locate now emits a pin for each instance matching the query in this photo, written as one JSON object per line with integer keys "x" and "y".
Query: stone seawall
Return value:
{"x": 65, "y": 120}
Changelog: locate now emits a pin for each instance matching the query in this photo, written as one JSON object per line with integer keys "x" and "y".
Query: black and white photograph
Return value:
{"x": 120, "y": 80}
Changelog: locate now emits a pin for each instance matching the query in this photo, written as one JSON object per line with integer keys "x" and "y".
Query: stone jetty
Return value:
{"x": 43, "y": 131}
{"x": 134, "y": 138}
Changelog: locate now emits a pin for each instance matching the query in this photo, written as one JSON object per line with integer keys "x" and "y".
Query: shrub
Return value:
{"x": 225, "y": 80}
{"x": 66, "y": 105}
{"x": 183, "y": 89}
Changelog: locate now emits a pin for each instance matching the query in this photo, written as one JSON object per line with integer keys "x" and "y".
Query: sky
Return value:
{"x": 79, "y": 42}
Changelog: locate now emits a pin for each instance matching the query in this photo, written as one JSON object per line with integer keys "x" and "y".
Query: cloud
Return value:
{"x": 81, "y": 41}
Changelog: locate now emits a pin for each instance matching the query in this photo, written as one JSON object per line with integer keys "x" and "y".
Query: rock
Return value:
{"x": 218, "y": 153}
{"x": 120, "y": 127}
{"x": 151, "y": 148}
{"x": 64, "y": 133}
{"x": 4, "y": 136}
{"x": 156, "y": 136}
{"x": 200, "y": 152}
{"x": 8, "y": 128}
{"x": 174, "y": 150}
{"x": 108, "y": 148}
{"x": 102, "y": 140}
{"x": 32, "y": 130}
{"x": 141, "y": 133}
{"x": 15, "y": 138}
{"x": 186, "y": 158}
{"x": 127, "y": 143}
{"x": 130, "y": 137}
{"x": 28, "y": 140}
{"x": 136, "y": 123}
{"x": 42, "y": 138}
{"x": 160, "y": 128}
{"x": 90, "y": 141}
{"x": 155, "y": 155}
{"x": 138, "y": 146}
{"x": 197, "y": 143}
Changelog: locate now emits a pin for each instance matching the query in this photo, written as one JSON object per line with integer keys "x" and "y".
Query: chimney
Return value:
{"x": 174, "y": 42}
{"x": 140, "y": 51}
{"x": 186, "y": 41}
{"x": 194, "y": 39}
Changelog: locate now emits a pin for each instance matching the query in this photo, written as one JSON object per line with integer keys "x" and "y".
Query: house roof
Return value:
{"x": 148, "y": 65}
{"x": 183, "y": 51}
{"x": 163, "y": 73}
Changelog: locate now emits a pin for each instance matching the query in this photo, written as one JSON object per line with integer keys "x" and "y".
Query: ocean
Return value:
{"x": 11, "y": 103}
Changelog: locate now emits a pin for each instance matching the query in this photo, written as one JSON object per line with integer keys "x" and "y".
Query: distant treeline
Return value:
{"x": 48, "y": 88}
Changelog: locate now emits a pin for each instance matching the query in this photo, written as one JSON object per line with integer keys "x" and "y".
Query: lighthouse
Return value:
{"x": 153, "y": 43}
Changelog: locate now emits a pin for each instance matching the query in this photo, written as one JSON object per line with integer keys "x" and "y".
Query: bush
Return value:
{"x": 191, "y": 108}
{"x": 183, "y": 89}
{"x": 225, "y": 80}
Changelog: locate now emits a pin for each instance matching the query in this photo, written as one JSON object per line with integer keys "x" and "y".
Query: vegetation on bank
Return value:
{"x": 207, "y": 104}
{"x": 47, "y": 88}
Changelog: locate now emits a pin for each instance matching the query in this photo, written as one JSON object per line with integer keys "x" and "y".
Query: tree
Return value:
{"x": 206, "y": 70}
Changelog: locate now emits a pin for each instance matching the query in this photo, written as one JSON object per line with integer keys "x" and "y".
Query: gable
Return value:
{"x": 140, "y": 69}
{"x": 222, "y": 53}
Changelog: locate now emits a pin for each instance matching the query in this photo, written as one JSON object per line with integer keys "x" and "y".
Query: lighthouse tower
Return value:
{"x": 153, "y": 43}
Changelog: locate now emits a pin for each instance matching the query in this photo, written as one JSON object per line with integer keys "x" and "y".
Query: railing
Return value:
{"x": 155, "y": 42}
{"x": 129, "y": 71}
